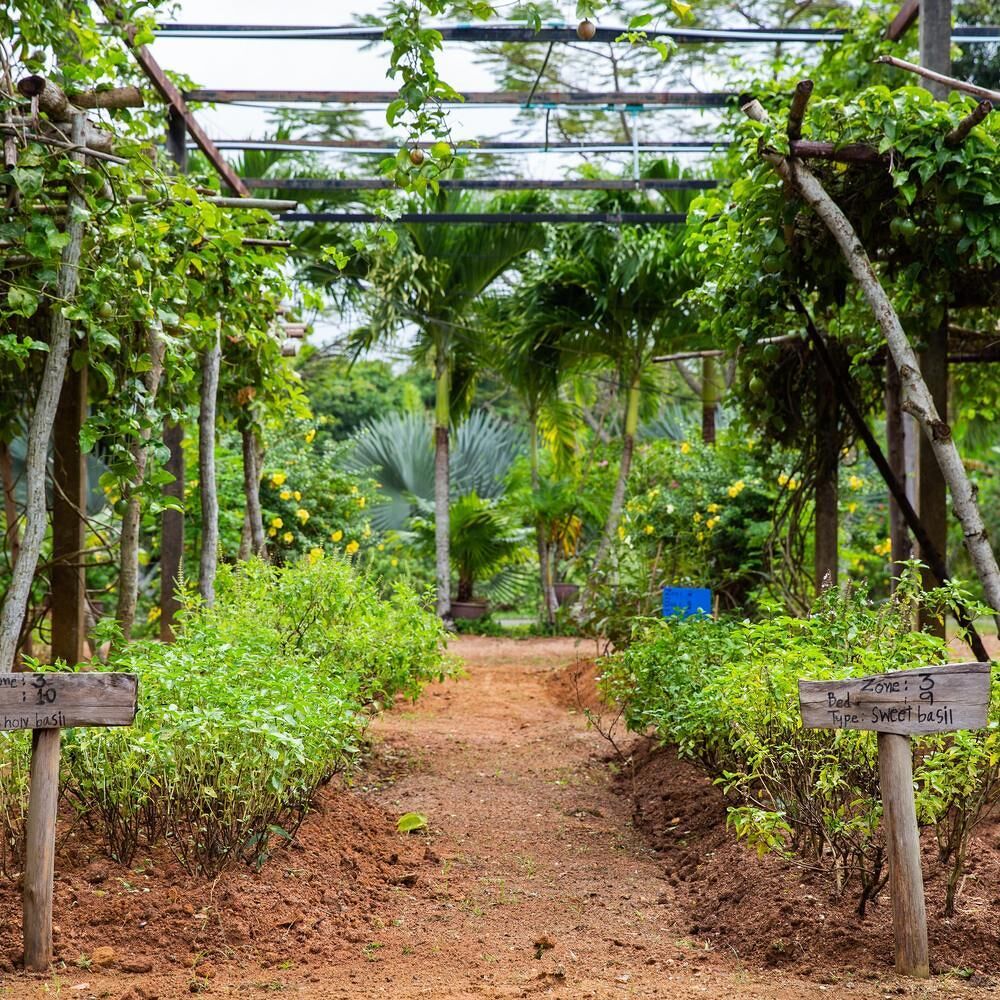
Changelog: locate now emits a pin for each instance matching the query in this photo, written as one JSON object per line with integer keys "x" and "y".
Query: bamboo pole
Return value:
{"x": 210, "y": 364}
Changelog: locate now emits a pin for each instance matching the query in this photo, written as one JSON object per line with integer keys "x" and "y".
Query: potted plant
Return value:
{"x": 487, "y": 546}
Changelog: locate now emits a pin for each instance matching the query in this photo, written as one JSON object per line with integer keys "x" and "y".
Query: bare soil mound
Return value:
{"x": 772, "y": 913}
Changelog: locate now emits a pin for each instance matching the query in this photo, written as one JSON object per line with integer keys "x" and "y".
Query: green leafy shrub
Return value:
{"x": 261, "y": 699}
{"x": 725, "y": 692}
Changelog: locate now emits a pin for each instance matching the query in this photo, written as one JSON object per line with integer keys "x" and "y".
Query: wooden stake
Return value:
{"x": 40, "y": 849}
{"x": 906, "y": 885}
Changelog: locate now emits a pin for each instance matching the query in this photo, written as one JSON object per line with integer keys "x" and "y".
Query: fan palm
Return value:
{"x": 430, "y": 280}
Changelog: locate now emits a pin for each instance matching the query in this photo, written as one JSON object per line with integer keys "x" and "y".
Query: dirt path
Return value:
{"x": 531, "y": 882}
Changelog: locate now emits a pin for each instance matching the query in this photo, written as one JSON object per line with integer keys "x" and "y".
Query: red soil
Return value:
{"x": 533, "y": 880}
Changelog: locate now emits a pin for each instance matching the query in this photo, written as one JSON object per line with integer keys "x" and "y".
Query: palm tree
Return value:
{"x": 610, "y": 295}
{"x": 430, "y": 280}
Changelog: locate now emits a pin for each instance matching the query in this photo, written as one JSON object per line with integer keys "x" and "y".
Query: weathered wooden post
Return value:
{"x": 47, "y": 703}
{"x": 896, "y": 705}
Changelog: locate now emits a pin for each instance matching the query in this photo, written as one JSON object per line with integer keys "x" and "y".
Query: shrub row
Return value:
{"x": 261, "y": 699}
{"x": 725, "y": 693}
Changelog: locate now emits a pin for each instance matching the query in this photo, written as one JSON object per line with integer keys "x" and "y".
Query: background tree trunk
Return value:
{"x": 442, "y": 506}
{"x": 932, "y": 489}
{"x": 172, "y": 532}
{"x": 711, "y": 393}
{"x": 128, "y": 580}
{"x": 12, "y": 532}
{"x": 549, "y": 600}
{"x": 618, "y": 498}
{"x": 825, "y": 541}
{"x": 252, "y": 541}
{"x": 895, "y": 436}
{"x": 35, "y": 520}
{"x": 210, "y": 363}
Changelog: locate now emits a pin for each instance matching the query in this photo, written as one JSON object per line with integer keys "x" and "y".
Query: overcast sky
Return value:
{"x": 345, "y": 65}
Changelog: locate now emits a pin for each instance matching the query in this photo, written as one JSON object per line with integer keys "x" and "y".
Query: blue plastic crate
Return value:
{"x": 687, "y": 602}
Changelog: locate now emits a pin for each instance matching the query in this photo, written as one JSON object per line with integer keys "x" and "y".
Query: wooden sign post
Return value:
{"x": 895, "y": 705}
{"x": 47, "y": 703}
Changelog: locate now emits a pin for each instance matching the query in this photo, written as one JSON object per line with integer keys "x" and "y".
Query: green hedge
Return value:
{"x": 260, "y": 700}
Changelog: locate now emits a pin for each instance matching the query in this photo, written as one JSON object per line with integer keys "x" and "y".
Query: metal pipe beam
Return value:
{"x": 473, "y": 98}
{"x": 323, "y": 184}
{"x": 491, "y": 218}
{"x": 382, "y": 147}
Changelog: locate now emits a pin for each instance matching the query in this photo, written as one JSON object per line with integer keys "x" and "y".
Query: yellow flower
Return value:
{"x": 648, "y": 529}
{"x": 883, "y": 548}
{"x": 737, "y": 488}
{"x": 712, "y": 508}
{"x": 278, "y": 479}
{"x": 310, "y": 436}
{"x": 315, "y": 555}
{"x": 701, "y": 536}
{"x": 272, "y": 532}
{"x": 394, "y": 561}
{"x": 297, "y": 495}
{"x": 855, "y": 482}
{"x": 621, "y": 532}
{"x": 711, "y": 522}
{"x": 354, "y": 491}
{"x": 276, "y": 522}
{"x": 361, "y": 501}
{"x": 782, "y": 480}
{"x": 685, "y": 447}
{"x": 793, "y": 484}
{"x": 852, "y": 507}
{"x": 285, "y": 494}
{"x": 366, "y": 531}
{"x": 288, "y": 537}
{"x": 302, "y": 514}
{"x": 381, "y": 547}
{"x": 335, "y": 536}
{"x": 154, "y": 613}
{"x": 351, "y": 548}
{"x": 696, "y": 516}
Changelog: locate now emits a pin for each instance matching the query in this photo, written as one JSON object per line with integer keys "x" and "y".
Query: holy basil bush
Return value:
{"x": 260, "y": 700}
{"x": 725, "y": 693}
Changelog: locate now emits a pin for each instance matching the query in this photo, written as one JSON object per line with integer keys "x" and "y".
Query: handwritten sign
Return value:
{"x": 926, "y": 700}
{"x": 60, "y": 701}
{"x": 687, "y": 602}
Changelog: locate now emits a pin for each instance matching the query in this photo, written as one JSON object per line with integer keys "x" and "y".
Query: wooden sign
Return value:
{"x": 60, "y": 701}
{"x": 926, "y": 700}
{"x": 48, "y": 703}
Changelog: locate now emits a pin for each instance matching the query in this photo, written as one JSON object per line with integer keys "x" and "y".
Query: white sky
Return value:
{"x": 344, "y": 65}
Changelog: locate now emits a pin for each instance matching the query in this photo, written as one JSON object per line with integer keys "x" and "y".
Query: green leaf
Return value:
{"x": 409, "y": 822}
{"x": 22, "y": 301}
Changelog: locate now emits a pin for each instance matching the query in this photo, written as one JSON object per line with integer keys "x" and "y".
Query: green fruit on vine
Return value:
{"x": 121, "y": 506}
{"x": 401, "y": 179}
{"x": 955, "y": 222}
{"x": 416, "y": 156}
{"x": 757, "y": 385}
{"x": 773, "y": 264}
{"x": 441, "y": 150}
{"x": 771, "y": 352}
{"x": 136, "y": 262}
{"x": 105, "y": 310}
{"x": 586, "y": 29}
{"x": 907, "y": 229}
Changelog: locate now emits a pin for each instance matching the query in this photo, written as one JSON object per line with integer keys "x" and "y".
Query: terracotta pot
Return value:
{"x": 566, "y": 593}
{"x": 468, "y": 609}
